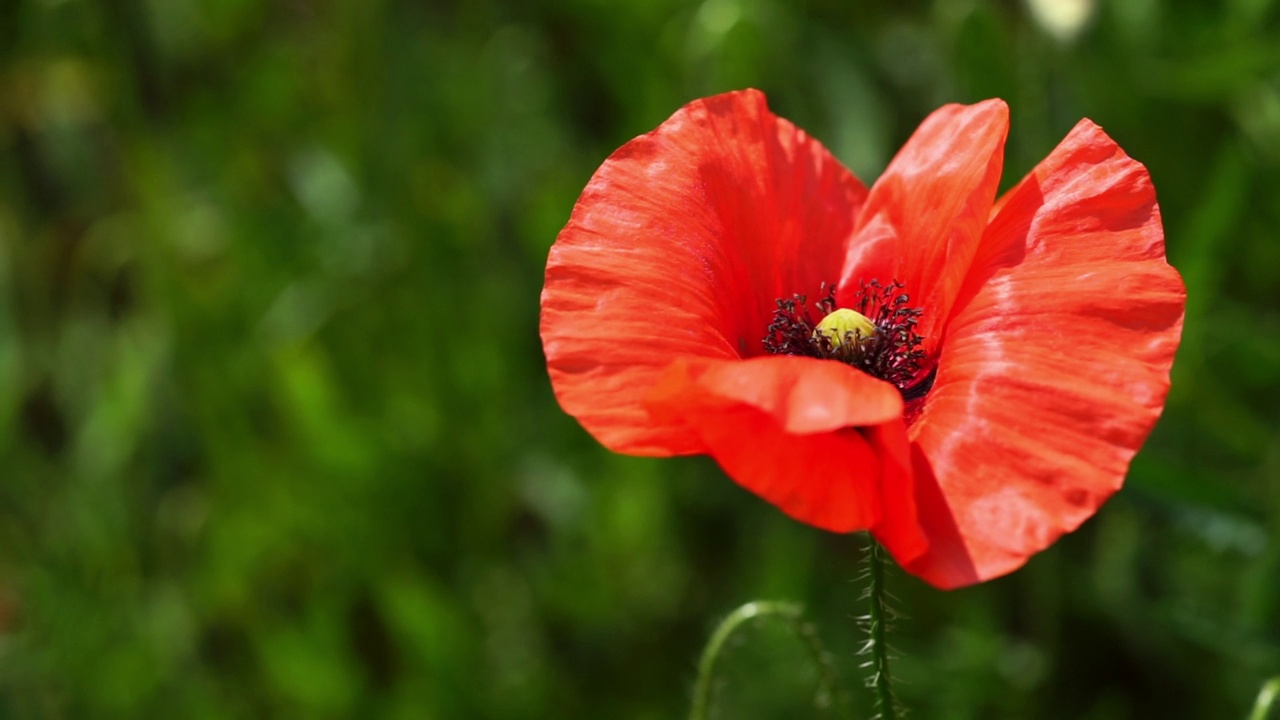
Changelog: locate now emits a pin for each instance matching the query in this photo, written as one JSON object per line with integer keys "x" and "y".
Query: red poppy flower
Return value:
{"x": 1003, "y": 362}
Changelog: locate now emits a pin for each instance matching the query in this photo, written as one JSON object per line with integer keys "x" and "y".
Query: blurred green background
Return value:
{"x": 276, "y": 437}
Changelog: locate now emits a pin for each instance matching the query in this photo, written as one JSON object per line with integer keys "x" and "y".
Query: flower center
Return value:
{"x": 846, "y": 329}
{"x": 878, "y": 337}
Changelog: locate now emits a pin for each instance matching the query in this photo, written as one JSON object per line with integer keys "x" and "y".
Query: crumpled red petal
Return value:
{"x": 899, "y": 528}
{"x": 1055, "y": 365}
{"x": 679, "y": 246}
{"x": 786, "y": 428}
{"x": 924, "y": 217}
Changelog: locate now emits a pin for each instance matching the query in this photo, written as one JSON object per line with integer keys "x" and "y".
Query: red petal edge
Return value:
{"x": 788, "y": 429}
{"x": 678, "y": 247}
{"x": 924, "y": 217}
{"x": 1055, "y": 366}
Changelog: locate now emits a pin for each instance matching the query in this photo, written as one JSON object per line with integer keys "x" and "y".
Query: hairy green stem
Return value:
{"x": 791, "y": 612}
{"x": 1266, "y": 698}
{"x": 877, "y": 619}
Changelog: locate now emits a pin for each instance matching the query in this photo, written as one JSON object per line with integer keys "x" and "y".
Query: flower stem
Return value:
{"x": 880, "y": 680}
{"x": 792, "y": 612}
{"x": 1266, "y": 698}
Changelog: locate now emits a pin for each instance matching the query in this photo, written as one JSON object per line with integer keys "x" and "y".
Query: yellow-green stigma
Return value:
{"x": 845, "y": 326}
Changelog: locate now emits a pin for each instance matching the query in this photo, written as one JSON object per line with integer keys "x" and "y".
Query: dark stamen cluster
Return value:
{"x": 791, "y": 332}
{"x": 892, "y": 354}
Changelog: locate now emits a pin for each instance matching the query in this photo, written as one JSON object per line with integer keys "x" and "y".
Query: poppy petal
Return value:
{"x": 1055, "y": 366}
{"x": 785, "y": 428}
{"x": 679, "y": 246}
{"x": 899, "y": 529}
{"x": 804, "y": 395}
{"x": 924, "y": 217}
